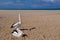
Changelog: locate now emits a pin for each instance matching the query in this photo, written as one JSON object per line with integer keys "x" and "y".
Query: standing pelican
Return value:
{"x": 15, "y": 25}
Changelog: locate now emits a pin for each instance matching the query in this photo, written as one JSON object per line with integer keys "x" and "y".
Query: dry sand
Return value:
{"x": 47, "y": 24}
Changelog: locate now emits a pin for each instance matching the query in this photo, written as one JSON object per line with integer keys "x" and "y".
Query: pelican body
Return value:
{"x": 17, "y": 32}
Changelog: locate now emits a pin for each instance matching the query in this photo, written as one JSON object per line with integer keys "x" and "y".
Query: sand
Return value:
{"x": 47, "y": 24}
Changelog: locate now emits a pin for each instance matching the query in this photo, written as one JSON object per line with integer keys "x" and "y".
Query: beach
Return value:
{"x": 46, "y": 22}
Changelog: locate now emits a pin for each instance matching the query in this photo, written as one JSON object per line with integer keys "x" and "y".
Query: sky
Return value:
{"x": 29, "y": 4}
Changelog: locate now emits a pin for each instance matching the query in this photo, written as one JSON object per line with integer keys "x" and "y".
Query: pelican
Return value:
{"x": 15, "y": 25}
{"x": 19, "y": 32}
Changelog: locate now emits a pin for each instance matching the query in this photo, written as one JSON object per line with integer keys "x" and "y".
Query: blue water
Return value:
{"x": 29, "y": 4}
